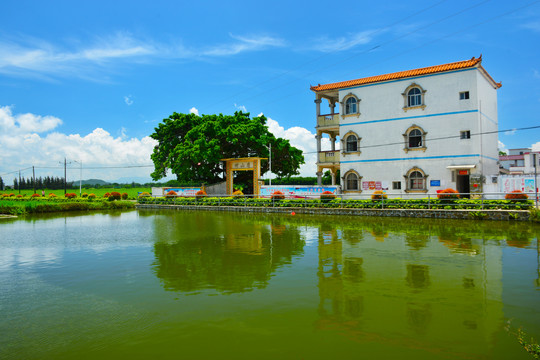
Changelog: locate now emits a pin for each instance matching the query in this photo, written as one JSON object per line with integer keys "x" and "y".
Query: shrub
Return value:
{"x": 107, "y": 195}
{"x": 278, "y": 195}
{"x": 124, "y": 196}
{"x": 19, "y": 196}
{"x": 70, "y": 195}
{"x": 448, "y": 194}
{"x": 516, "y": 195}
{"x": 5, "y": 195}
{"x": 92, "y": 196}
{"x": 171, "y": 194}
{"x": 238, "y": 193}
{"x": 200, "y": 194}
{"x": 378, "y": 195}
{"x": 35, "y": 195}
{"x": 11, "y": 195}
{"x": 51, "y": 195}
{"x": 144, "y": 194}
{"x": 327, "y": 196}
{"x": 84, "y": 195}
{"x": 115, "y": 195}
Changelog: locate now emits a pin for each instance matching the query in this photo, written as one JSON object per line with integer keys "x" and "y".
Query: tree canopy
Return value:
{"x": 192, "y": 146}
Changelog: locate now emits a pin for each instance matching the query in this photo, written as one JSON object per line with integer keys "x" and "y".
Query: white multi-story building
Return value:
{"x": 412, "y": 131}
{"x": 520, "y": 161}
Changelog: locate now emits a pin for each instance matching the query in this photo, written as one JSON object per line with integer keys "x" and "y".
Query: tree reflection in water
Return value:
{"x": 234, "y": 254}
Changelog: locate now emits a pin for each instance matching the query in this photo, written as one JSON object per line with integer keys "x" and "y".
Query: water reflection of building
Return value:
{"x": 235, "y": 253}
{"x": 416, "y": 289}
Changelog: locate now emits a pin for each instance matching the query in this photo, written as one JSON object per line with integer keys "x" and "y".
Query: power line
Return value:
{"x": 325, "y": 55}
{"x": 401, "y": 53}
{"x": 440, "y": 138}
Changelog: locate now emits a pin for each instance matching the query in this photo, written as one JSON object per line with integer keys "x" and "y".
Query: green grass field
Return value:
{"x": 132, "y": 192}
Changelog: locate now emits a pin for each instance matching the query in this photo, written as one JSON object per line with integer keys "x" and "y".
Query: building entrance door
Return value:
{"x": 463, "y": 185}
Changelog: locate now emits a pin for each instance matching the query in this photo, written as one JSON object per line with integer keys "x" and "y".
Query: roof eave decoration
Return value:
{"x": 474, "y": 62}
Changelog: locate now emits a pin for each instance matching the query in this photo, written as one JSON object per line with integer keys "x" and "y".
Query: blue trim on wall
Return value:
{"x": 487, "y": 117}
{"x": 411, "y": 117}
{"x": 406, "y": 79}
{"x": 418, "y": 158}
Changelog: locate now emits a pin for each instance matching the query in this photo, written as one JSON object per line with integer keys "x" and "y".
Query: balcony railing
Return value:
{"x": 326, "y": 157}
{"x": 328, "y": 120}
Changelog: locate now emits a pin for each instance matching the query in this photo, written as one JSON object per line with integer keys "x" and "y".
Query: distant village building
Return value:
{"x": 412, "y": 132}
{"x": 519, "y": 162}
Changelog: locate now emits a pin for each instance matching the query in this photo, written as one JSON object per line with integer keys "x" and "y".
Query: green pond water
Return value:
{"x": 208, "y": 285}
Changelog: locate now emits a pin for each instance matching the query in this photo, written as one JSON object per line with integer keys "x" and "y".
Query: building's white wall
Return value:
{"x": 487, "y": 105}
{"x": 382, "y": 121}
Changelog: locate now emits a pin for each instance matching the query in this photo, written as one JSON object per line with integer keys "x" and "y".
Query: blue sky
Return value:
{"x": 90, "y": 80}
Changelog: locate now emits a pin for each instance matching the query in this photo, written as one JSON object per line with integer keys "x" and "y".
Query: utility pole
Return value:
{"x": 535, "y": 159}
{"x": 80, "y": 176}
{"x": 19, "y": 181}
{"x": 270, "y": 162}
{"x": 65, "y": 176}
{"x": 34, "y": 179}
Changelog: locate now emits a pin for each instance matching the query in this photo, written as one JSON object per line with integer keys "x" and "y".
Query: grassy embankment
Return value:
{"x": 132, "y": 192}
{"x": 26, "y": 204}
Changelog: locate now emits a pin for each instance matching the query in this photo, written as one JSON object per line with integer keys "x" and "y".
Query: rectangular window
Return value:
{"x": 465, "y": 134}
{"x": 464, "y": 95}
{"x": 396, "y": 185}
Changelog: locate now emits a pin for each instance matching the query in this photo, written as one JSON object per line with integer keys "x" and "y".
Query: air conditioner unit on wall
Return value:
{"x": 494, "y": 179}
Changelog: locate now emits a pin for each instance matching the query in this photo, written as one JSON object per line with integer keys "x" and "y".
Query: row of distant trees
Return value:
{"x": 58, "y": 183}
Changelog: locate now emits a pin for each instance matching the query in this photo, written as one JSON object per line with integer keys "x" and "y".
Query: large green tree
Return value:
{"x": 192, "y": 146}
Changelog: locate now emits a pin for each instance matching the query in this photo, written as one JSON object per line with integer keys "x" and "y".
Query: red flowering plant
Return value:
{"x": 200, "y": 194}
{"x": 448, "y": 194}
{"x": 278, "y": 195}
{"x": 379, "y": 195}
{"x": 327, "y": 196}
{"x": 516, "y": 195}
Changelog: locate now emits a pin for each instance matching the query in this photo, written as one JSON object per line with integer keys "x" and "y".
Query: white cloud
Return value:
{"x": 30, "y": 140}
{"x": 194, "y": 110}
{"x": 241, "y": 107}
{"x": 536, "y": 146}
{"x": 243, "y": 44}
{"x": 502, "y": 147}
{"x": 302, "y": 139}
{"x": 26, "y": 56}
{"x": 534, "y": 26}
{"x": 510, "y": 132}
{"x": 128, "y": 100}
{"x": 326, "y": 44}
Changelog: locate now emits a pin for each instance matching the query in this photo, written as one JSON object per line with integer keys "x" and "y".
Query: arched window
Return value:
{"x": 351, "y": 106}
{"x": 415, "y": 138}
{"x": 351, "y": 181}
{"x": 352, "y": 143}
{"x": 416, "y": 180}
{"x": 414, "y": 97}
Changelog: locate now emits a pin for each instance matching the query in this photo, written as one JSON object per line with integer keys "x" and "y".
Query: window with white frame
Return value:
{"x": 352, "y": 181}
{"x": 464, "y": 95}
{"x": 466, "y": 134}
{"x": 351, "y": 143}
{"x": 396, "y": 185}
{"x": 414, "y": 97}
{"x": 416, "y": 180}
{"x": 351, "y": 105}
{"x": 415, "y": 139}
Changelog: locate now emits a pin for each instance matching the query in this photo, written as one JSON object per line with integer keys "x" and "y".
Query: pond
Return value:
{"x": 203, "y": 285}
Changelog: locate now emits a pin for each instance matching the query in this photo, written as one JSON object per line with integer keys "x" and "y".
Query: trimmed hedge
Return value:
{"x": 459, "y": 204}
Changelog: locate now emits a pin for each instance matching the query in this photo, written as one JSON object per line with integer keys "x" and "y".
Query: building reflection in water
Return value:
{"x": 396, "y": 281}
{"x": 235, "y": 253}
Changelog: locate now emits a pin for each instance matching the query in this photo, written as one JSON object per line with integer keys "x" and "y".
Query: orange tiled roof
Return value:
{"x": 474, "y": 62}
